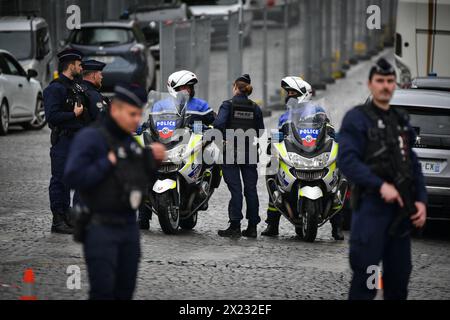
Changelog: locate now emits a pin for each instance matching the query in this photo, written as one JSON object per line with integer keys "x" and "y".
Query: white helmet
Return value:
{"x": 303, "y": 88}
{"x": 180, "y": 78}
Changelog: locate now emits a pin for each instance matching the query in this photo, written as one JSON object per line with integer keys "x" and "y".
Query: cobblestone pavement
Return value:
{"x": 196, "y": 264}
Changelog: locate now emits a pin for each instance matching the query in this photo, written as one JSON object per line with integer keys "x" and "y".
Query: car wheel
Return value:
{"x": 4, "y": 118}
{"x": 38, "y": 121}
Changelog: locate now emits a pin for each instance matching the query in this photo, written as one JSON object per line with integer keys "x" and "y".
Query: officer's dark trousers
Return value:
{"x": 232, "y": 176}
{"x": 371, "y": 243}
{"x": 59, "y": 193}
{"x": 112, "y": 256}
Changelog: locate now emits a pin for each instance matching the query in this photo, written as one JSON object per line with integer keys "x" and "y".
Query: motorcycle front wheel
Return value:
{"x": 308, "y": 230}
{"x": 189, "y": 223}
{"x": 168, "y": 215}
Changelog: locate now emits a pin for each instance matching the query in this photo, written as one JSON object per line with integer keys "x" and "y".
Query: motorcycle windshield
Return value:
{"x": 306, "y": 123}
{"x": 167, "y": 115}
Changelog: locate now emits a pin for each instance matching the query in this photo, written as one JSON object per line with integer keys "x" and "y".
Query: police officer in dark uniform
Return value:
{"x": 389, "y": 195}
{"x": 111, "y": 170}
{"x": 92, "y": 82}
{"x": 64, "y": 103}
{"x": 241, "y": 113}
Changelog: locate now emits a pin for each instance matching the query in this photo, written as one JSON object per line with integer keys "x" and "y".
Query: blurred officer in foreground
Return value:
{"x": 65, "y": 112}
{"x": 111, "y": 170}
{"x": 388, "y": 195}
{"x": 241, "y": 113}
{"x": 92, "y": 82}
{"x": 297, "y": 88}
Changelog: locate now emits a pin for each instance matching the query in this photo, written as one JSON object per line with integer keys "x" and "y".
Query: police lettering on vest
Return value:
{"x": 242, "y": 115}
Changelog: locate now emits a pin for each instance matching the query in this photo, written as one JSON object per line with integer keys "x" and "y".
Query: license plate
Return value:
{"x": 431, "y": 166}
{"x": 104, "y": 59}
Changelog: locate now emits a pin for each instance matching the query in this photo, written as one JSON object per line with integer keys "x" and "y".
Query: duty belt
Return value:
{"x": 109, "y": 220}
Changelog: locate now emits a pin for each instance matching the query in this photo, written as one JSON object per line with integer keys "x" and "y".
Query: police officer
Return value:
{"x": 240, "y": 113}
{"x": 197, "y": 110}
{"x": 110, "y": 169}
{"x": 65, "y": 112}
{"x": 297, "y": 88}
{"x": 92, "y": 82}
{"x": 376, "y": 156}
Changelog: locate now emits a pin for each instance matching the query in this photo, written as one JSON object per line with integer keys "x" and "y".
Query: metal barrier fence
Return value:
{"x": 316, "y": 39}
{"x": 186, "y": 45}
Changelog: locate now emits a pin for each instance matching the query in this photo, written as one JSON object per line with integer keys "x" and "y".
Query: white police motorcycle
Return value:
{"x": 307, "y": 187}
{"x": 185, "y": 182}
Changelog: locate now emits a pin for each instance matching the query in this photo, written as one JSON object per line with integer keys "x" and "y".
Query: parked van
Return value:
{"x": 422, "y": 40}
{"x": 218, "y": 11}
{"x": 28, "y": 40}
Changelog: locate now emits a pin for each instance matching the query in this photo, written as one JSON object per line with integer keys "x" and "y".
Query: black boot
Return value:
{"x": 59, "y": 224}
{"x": 271, "y": 230}
{"x": 272, "y": 226}
{"x": 144, "y": 218}
{"x": 233, "y": 231}
{"x": 336, "y": 232}
{"x": 69, "y": 218}
{"x": 144, "y": 224}
{"x": 251, "y": 231}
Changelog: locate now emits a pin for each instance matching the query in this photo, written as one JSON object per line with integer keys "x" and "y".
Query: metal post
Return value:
{"x": 351, "y": 21}
{"x": 234, "y": 55}
{"x": 343, "y": 36}
{"x": 328, "y": 43}
{"x": 370, "y": 34}
{"x": 286, "y": 38}
{"x": 167, "y": 52}
{"x": 315, "y": 48}
{"x": 193, "y": 39}
{"x": 307, "y": 40}
{"x": 265, "y": 65}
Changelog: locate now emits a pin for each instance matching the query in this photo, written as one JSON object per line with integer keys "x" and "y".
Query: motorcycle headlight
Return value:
{"x": 300, "y": 162}
{"x": 177, "y": 154}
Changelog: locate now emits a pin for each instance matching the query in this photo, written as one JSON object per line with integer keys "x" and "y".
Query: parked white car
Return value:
{"x": 28, "y": 40}
{"x": 20, "y": 96}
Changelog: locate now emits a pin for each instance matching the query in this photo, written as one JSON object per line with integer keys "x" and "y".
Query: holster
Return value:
{"x": 82, "y": 218}
{"x": 54, "y": 136}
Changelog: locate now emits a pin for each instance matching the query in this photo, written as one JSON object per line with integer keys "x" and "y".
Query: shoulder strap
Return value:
{"x": 402, "y": 116}
{"x": 110, "y": 141}
{"x": 368, "y": 110}
{"x": 58, "y": 80}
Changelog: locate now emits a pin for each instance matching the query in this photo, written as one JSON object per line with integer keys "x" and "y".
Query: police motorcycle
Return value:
{"x": 185, "y": 181}
{"x": 307, "y": 188}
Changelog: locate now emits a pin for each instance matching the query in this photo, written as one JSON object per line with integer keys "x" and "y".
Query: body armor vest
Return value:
{"x": 242, "y": 115}
{"x": 76, "y": 95}
{"x": 123, "y": 189}
{"x": 388, "y": 144}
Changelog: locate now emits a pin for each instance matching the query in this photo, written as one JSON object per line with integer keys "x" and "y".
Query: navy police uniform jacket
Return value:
{"x": 55, "y": 96}
{"x": 95, "y": 99}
